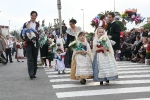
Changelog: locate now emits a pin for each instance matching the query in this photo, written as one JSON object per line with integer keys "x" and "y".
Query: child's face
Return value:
{"x": 100, "y": 32}
{"x": 82, "y": 38}
{"x": 58, "y": 52}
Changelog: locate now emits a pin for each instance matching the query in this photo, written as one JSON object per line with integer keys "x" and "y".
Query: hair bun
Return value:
{"x": 73, "y": 21}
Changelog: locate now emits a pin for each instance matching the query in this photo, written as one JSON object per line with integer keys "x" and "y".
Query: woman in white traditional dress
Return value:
{"x": 81, "y": 67}
{"x": 71, "y": 36}
{"x": 19, "y": 55}
{"x": 104, "y": 64}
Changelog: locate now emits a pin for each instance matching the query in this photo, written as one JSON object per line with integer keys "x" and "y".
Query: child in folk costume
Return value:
{"x": 102, "y": 22}
{"x": 59, "y": 61}
{"x": 81, "y": 67}
{"x": 19, "y": 53}
{"x": 104, "y": 64}
{"x": 29, "y": 33}
{"x": 50, "y": 54}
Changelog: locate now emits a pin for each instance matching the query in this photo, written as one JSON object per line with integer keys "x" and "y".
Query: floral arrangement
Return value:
{"x": 53, "y": 45}
{"x": 132, "y": 16}
{"x": 95, "y": 22}
{"x": 102, "y": 43}
{"x": 73, "y": 45}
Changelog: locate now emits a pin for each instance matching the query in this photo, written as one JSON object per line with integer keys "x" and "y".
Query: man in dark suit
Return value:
{"x": 113, "y": 32}
{"x": 142, "y": 33}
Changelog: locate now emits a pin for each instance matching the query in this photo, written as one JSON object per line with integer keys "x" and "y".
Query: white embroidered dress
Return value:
{"x": 104, "y": 64}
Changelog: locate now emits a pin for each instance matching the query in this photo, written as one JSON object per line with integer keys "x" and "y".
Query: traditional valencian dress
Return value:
{"x": 19, "y": 54}
{"x": 104, "y": 64}
{"x": 71, "y": 36}
{"x": 81, "y": 66}
{"x": 60, "y": 63}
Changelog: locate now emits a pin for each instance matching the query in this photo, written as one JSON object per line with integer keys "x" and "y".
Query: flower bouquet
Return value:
{"x": 102, "y": 43}
{"x": 73, "y": 45}
{"x": 53, "y": 45}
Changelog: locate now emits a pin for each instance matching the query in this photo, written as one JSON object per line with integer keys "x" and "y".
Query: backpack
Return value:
{"x": 24, "y": 26}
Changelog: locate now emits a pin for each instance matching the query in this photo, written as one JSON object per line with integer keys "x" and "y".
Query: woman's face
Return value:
{"x": 100, "y": 32}
{"x": 71, "y": 24}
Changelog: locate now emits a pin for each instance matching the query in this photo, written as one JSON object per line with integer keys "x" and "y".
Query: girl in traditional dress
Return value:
{"x": 71, "y": 36}
{"x": 104, "y": 64}
{"x": 102, "y": 22}
{"x": 59, "y": 61}
{"x": 81, "y": 67}
{"x": 19, "y": 53}
{"x": 50, "y": 54}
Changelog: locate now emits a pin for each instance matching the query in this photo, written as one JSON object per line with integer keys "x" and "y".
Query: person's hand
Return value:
{"x": 109, "y": 36}
{"x": 66, "y": 49}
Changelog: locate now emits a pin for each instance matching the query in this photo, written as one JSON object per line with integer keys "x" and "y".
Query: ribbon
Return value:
{"x": 60, "y": 59}
{"x": 80, "y": 47}
{"x": 102, "y": 43}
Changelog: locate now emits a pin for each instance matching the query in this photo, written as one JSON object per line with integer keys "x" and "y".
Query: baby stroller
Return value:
{"x": 3, "y": 58}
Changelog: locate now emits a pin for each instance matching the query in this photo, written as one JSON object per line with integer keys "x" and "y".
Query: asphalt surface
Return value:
{"x": 133, "y": 84}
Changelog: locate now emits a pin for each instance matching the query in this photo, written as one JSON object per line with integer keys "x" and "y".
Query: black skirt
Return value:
{"x": 44, "y": 51}
{"x": 68, "y": 58}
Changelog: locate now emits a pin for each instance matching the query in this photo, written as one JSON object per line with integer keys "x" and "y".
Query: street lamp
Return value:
{"x": 83, "y": 18}
{"x": 59, "y": 14}
{"x": 9, "y": 26}
{"x": 114, "y": 6}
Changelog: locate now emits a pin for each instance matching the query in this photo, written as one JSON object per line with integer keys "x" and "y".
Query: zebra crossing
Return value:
{"x": 134, "y": 78}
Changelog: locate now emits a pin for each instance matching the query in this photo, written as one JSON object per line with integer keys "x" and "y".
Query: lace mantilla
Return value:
{"x": 72, "y": 33}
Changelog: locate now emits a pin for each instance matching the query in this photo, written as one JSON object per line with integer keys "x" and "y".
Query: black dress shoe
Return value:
{"x": 101, "y": 83}
{"x": 107, "y": 81}
{"x": 31, "y": 77}
{"x": 34, "y": 76}
{"x": 11, "y": 61}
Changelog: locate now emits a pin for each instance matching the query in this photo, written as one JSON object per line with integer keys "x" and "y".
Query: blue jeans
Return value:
{"x": 13, "y": 50}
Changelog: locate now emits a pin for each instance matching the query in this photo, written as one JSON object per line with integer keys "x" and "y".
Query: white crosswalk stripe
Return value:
{"x": 130, "y": 74}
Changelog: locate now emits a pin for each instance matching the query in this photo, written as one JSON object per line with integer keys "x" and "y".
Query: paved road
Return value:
{"x": 133, "y": 84}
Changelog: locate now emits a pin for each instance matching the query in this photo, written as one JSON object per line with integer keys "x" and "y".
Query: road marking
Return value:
{"x": 102, "y": 92}
{"x": 60, "y": 86}
{"x": 139, "y": 99}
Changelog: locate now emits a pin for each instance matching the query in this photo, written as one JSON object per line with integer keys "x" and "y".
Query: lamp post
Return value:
{"x": 59, "y": 14}
{"x": 114, "y": 5}
{"x": 9, "y": 28}
{"x": 83, "y": 18}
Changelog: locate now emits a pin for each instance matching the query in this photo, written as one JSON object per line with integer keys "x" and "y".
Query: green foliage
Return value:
{"x": 107, "y": 12}
{"x": 89, "y": 35}
{"x": 147, "y": 26}
{"x": 15, "y": 34}
{"x": 122, "y": 27}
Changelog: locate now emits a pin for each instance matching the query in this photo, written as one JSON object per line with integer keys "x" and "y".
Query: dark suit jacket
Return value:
{"x": 114, "y": 31}
{"x": 144, "y": 34}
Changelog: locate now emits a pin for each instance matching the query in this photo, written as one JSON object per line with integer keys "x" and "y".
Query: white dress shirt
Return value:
{"x": 33, "y": 25}
{"x": 9, "y": 44}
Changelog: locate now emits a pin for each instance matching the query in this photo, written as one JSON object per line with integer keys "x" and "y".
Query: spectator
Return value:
{"x": 9, "y": 46}
{"x": 64, "y": 28}
{"x": 142, "y": 33}
{"x": 14, "y": 47}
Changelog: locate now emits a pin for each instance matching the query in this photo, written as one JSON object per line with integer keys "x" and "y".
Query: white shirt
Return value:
{"x": 113, "y": 21}
{"x": 141, "y": 34}
{"x": 54, "y": 33}
{"x": 9, "y": 43}
{"x": 33, "y": 25}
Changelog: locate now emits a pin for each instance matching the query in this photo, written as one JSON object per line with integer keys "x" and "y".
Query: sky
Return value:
{"x": 18, "y": 11}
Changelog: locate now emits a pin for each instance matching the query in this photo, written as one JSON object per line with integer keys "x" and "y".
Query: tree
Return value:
{"x": 147, "y": 26}
{"x": 121, "y": 24}
{"x": 15, "y": 34}
{"x": 107, "y": 12}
